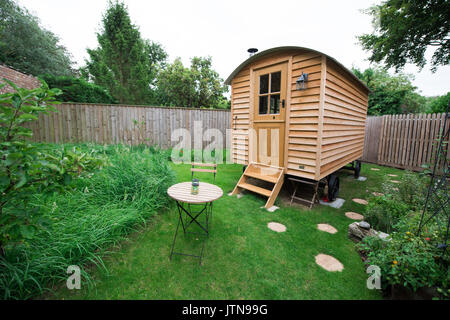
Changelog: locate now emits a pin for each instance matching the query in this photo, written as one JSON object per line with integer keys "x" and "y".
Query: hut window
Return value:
{"x": 275, "y": 82}
{"x": 275, "y": 104}
{"x": 262, "y": 104}
{"x": 264, "y": 84}
{"x": 269, "y": 101}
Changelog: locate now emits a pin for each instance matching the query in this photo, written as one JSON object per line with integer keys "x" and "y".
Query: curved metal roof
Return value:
{"x": 286, "y": 48}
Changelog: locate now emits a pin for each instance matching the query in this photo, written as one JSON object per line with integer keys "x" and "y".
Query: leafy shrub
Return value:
{"x": 78, "y": 90}
{"x": 383, "y": 212}
{"x": 99, "y": 209}
{"x": 412, "y": 190}
{"x": 408, "y": 260}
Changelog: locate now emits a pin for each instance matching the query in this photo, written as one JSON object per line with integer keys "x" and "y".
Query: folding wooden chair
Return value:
{"x": 211, "y": 167}
{"x": 313, "y": 196}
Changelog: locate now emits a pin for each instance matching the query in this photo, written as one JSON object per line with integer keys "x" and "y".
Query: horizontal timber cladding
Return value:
{"x": 344, "y": 119}
{"x": 132, "y": 125}
{"x": 303, "y": 117}
{"x": 240, "y": 116}
{"x": 325, "y": 123}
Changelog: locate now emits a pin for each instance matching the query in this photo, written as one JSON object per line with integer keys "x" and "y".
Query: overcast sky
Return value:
{"x": 225, "y": 30}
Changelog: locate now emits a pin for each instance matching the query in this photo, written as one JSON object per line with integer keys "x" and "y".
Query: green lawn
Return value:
{"x": 243, "y": 259}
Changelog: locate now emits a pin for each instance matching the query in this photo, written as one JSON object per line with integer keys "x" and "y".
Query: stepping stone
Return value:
{"x": 378, "y": 194}
{"x": 362, "y": 178}
{"x": 272, "y": 208}
{"x": 230, "y": 193}
{"x": 334, "y": 204}
{"x": 360, "y": 201}
{"x": 392, "y": 175}
{"x": 277, "y": 227}
{"x": 327, "y": 228}
{"x": 329, "y": 263}
{"x": 354, "y": 215}
{"x": 395, "y": 181}
{"x": 374, "y": 169}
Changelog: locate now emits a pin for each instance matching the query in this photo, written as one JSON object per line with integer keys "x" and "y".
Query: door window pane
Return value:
{"x": 263, "y": 105}
{"x": 264, "y": 83}
{"x": 275, "y": 104}
{"x": 275, "y": 82}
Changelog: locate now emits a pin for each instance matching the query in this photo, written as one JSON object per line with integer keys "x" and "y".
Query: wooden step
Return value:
{"x": 266, "y": 165}
{"x": 271, "y": 179}
{"x": 255, "y": 189}
{"x": 255, "y": 170}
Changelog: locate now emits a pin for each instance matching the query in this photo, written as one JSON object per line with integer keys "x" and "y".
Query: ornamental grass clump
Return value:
{"x": 98, "y": 210}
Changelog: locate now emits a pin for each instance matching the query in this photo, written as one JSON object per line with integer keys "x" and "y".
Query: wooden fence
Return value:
{"x": 403, "y": 141}
{"x": 111, "y": 124}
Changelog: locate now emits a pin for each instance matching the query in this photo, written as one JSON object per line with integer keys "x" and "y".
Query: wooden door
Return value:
{"x": 269, "y": 107}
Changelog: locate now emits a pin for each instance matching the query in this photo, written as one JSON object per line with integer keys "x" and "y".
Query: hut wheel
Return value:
{"x": 333, "y": 187}
{"x": 357, "y": 168}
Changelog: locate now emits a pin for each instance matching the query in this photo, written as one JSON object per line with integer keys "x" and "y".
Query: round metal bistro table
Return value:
{"x": 193, "y": 207}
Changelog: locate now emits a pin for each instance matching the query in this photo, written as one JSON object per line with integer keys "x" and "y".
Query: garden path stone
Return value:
{"x": 277, "y": 227}
{"x": 360, "y": 201}
{"x": 329, "y": 263}
{"x": 362, "y": 178}
{"x": 334, "y": 204}
{"x": 374, "y": 169}
{"x": 395, "y": 181}
{"x": 378, "y": 194}
{"x": 392, "y": 175}
{"x": 272, "y": 208}
{"x": 327, "y": 228}
{"x": 354, "y": 215}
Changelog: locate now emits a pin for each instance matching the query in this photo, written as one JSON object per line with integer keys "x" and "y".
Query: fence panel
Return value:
{"x": 406, "y": 141}
{"x": 372, "y": 139}
{"x": 402, "y": 141}
{"x": 131, "y": 125}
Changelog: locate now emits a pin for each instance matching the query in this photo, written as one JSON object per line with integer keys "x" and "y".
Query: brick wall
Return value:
{"x": 22, "y": 80}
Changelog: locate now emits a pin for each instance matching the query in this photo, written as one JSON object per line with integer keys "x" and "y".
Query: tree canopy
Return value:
{"x": 390, "y": 94}
{"x": 404, "y": 29}
{"x": 195, "y": 87}
{"x": 124, "y": 63}
{"x": 438, "y": 104}
{"x": 78, "y": 90}
{"x": 26, "y": 46}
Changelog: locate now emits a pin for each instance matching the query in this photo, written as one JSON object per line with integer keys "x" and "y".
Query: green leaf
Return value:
{"x": 22, "y": 180}
{"x": 67, "y": 179}
{"x": 4, "y": 180}
{"x": 28, "y": 117}
{"x": 27, "y": 231}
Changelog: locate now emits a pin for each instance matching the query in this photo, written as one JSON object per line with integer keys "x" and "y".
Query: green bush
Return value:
{"x": 100, "y": 209}
{"x": 78, "y": 90}
{"x": 408, "y": 260}
{"x": 384, "y": 212}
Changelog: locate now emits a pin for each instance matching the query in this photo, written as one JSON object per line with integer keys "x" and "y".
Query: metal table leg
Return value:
{"x": 207, "y": 210}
